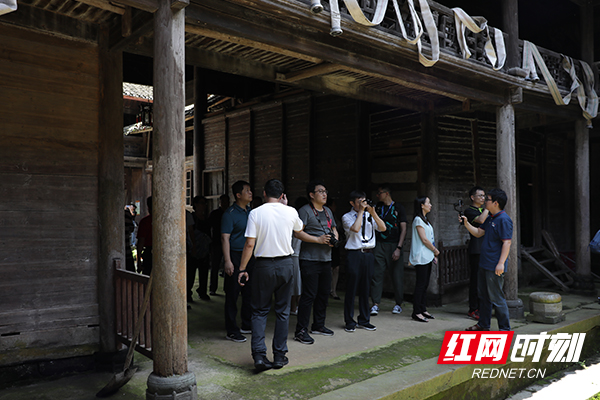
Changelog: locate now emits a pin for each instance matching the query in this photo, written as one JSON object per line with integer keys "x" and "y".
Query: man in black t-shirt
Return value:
{"x": 476, "y": 214}
{"x": 388, "y": 251}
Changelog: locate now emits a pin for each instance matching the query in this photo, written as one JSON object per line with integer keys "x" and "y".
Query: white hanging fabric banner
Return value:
{"x": 358, "y": 15}
{"x": 432, "y": 33}
{"x": 586, "y": 95}
{"x": 478, "y": 24}
{"x": 7, "y": 6}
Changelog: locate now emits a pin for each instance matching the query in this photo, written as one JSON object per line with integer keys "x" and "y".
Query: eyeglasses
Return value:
{"x": 381, "y": 192}
{"x": 480, "y": 195}
{"x": 321, "y": 191}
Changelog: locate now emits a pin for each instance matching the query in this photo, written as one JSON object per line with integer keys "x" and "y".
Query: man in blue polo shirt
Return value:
{"x": 233, "y": 227}
{"x": 497, "y": 231}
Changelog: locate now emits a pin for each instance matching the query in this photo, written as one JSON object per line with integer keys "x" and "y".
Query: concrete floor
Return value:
{"x": 396, "y": 358}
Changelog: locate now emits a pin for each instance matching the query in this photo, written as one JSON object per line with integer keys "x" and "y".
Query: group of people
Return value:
{"x": 275, "y": 252}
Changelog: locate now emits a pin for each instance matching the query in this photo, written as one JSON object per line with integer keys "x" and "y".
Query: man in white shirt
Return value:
{"x": 269, "y": 235}
{"x": 360, "y": 233}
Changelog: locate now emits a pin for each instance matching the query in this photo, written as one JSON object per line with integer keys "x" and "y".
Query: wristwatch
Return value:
{"x": 399, "y": 247}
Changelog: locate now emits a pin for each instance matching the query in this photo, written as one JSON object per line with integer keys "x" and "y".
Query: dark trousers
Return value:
{"x": 359, "y": 273}
{"x": 420, "y": 295}
{"x": 383, "y": 259}
{"x": 316, "y": 285}
{"x": 473, "y": 295}
{"x": 492, "y": 295}
{"x": 232, "y": 292}
{"x": 201, "y": 265}
{"x": 216, "y": 259}
{"x": 271, "y": 276}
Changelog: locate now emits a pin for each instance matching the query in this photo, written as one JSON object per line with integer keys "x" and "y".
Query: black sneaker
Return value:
{"x": 262, "y": 363}
{"x": 236, "y": 337}
{"x": 350, "y": 328}
{"x": 280, "y": 361}
{"x": 322, "y": 331}
{"x": 367, "y": 326}
{"x": 303, "y": 337}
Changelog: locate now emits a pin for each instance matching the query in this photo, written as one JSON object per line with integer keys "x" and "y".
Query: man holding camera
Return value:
{"x": 360, "y": 233}
{"x": 318, "y": 237}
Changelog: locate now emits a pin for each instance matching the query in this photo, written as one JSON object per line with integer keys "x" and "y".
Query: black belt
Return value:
{"x": 273, "y": 258}
{"x": 363, "y": 250}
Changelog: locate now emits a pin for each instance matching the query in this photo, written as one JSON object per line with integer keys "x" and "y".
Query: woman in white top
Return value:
{"x": 422, "y": 254}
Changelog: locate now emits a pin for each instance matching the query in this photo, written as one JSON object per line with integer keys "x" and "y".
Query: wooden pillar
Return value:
{"x": 507, "y": 181}
{"x": 200, "y": 104}
{"x": 430, "y": 187}
{"x": 169, "y": 310}
{"x": 582, "y": 199}
{"x": 587, "y": 32}
{"x": 510, "y": 25}
{"x": 111, "y": 193}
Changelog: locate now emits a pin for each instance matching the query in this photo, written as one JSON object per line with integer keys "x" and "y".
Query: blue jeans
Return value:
{"x": 491, "y": 294}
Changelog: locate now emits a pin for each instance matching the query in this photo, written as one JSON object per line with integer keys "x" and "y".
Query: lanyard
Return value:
{"x": 388, "y": 210}
{"x": 318, "y": 219}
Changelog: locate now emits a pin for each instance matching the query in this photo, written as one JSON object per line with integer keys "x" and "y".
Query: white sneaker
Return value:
{"x": 397, "y": 309}
{"x": 375, "y": 310}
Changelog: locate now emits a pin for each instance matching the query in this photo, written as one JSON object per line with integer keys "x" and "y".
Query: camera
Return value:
{"x": 370, "y": 202}
{"x": 333, "y": 241}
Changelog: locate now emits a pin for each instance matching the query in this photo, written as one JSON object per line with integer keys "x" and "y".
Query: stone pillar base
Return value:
{"x": 515, "y": 309}
{"x": 545, "y": 307}
{"x": 176, "y": 387}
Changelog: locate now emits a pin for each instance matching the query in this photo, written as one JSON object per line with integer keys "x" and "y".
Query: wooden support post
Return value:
{"x": 507, "y": 181}
{"x": 111, "y": 198}
{"x": 169, "y": 309}
{"x": 200, "y": 104}
{"x": 582, "y": 199}
{"x": 510, "y": 25}
{"x": 587, "y": 32}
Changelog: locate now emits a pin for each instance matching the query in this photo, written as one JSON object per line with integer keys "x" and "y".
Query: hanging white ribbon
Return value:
{"x": 586, "y": 95}
{"x": 7, "y": 6}
{"x": 358, "y": 15}
{"x": 478, "y": 24}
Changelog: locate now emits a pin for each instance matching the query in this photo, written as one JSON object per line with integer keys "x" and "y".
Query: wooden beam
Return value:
{"x": 126, "y": 23}
{"x": 103, "y": 5}
{"x": 145, "y": 5}
{"x": 177, "y": 5}
{"x": 270, "y": 34}
{"x": 145, "y": 28}
{"x": 252, "y": 69}
{"x": 321, "y": 69}
{"x": 30, "y": 17}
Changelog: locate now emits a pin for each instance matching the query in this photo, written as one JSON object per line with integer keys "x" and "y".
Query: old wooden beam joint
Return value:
{"x": 514, "y": 95}
{"x": 320, "y": 69}
{"x": 178, "y": 5}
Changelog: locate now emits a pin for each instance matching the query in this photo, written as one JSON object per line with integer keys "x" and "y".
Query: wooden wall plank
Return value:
{"x": 239, "y": 149}
{"x": 297, "y": 160}
{"x": 267, "y": 124}
{"x": 49, "y": 191}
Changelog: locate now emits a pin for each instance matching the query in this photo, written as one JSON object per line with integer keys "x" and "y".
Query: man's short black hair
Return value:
{"x": 238, "y": 187}
{"x": 149, "y": 204}
{"x": 474, "y": 190}
{"x": 357, "y": 194}
{"x": 310, "y": 186}
{"x": 274, "y": 188}
{"x": 500, "y": 196}
{"x": 385, "y": 187}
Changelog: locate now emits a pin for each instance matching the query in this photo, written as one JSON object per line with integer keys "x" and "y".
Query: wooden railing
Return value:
{"x": 444, "y": 20}
{"x": 129, "y": 291}
{"x": 453, "y": 266}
